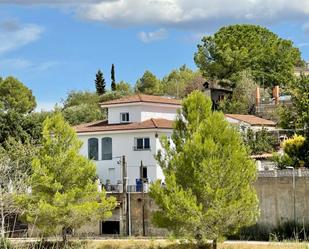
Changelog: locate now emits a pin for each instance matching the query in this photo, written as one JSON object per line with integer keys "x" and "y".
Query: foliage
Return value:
{"x": 84, "y": 113}
{"x": 209, "y": 177}
{"x": 180, "y": 82}
{"x": 113, "y": 84}
{"x": 148, "y": 84}
{"x": 82, "y": 107}
{"x": 242, "y": 100}
{"x": 196, "y": 84}
{"x": 282, "y": 161}
{"x": 297, "y": 115}
{"x": 14, "y": 173}
{"x": 21, "y": 127}
{"x": 100, "y": 83}
{"x": 64, "y": 191}
{"x": 260, "y": 142}
{"x": 235, "y": 48}
{"x": 19, "y": 154}
{"x": 124, "y": 88}
{"x": 295, "y": 149}
{"x": 287, "y": 117}
{"x": 299, "y": 91}
{"x": 14, "y": 95}
{"x": 111, "y": 96}
{"x": 76, "y": 98}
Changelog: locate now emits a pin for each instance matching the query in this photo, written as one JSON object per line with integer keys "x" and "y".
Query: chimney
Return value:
{"x": 257, "y": 96}
{"x": 276, "y": 94}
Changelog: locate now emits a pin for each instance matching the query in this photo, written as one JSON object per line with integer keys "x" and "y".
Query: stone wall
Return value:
{"x": 276, "y": 196}
{"x": 274, "y": 189}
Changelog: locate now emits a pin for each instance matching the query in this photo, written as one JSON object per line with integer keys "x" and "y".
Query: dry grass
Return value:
{"x": 161, "y": 244}
{"x": 164, "y": 244}
{"x": 265, "y": 246}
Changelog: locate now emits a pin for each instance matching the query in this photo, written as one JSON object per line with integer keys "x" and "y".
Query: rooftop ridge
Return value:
{"x": 143, "y": 98}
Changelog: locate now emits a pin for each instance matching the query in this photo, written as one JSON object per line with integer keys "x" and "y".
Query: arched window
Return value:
{"x": 93, "y": 148}
{"x": 107, "y": 151}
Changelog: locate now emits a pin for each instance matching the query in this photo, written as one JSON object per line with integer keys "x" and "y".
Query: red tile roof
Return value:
{"x": 104, "y": 126}
{"x": 251, "y": 119}
{"x": 143, "y": 98}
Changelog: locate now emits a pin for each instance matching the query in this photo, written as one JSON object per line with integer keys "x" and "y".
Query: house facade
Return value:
{"x": 245, "y": 122}
{"x": 132, "y": 133}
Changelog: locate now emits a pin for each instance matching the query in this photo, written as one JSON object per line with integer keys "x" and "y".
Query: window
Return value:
{"x": 124, "y": 117}
{"x": 107, "y": 150}
{"x": 142, "y": 143}
{"x": 93, "y": 148}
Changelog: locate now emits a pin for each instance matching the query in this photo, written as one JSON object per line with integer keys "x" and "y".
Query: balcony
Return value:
{"x": 130, "y": 188}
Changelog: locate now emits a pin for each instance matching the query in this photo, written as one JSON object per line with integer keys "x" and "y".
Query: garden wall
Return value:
{"x": 276, "y": 196}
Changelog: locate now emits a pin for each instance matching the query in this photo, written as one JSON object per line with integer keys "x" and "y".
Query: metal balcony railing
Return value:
{"x": 130, "y": 188}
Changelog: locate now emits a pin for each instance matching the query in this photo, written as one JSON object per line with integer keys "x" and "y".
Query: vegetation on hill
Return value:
{"x": 233, "y": 49}
{"x": 14, "y": 95}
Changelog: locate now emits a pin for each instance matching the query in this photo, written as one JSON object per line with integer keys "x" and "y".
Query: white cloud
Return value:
{"x": 14, "y": 35}
{"x": 156, "y": 35}
{"x": 14, "y": 64}
{"x": 9, "y": 64}
{"x": 195, "y": 14}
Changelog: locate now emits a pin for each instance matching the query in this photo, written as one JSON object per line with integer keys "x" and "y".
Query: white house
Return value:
{"x": 133, "y": 129}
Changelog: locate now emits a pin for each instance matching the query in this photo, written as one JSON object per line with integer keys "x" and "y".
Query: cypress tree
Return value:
{"x": 100, "y": 83}
{"x": 113, "y": 85}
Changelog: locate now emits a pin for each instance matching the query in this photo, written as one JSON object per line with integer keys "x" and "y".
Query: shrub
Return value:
{"x": 294, "y": 148}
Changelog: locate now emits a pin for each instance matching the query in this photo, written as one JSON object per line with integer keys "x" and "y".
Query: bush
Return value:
{"x": 260, "y": 142}
{"x": 295, "y": 149}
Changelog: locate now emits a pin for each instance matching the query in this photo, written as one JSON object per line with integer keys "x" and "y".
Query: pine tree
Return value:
{"x": 64, "y": 189}
{"x": 100, "y": 83}
{"x": 113, "y": 84}
{"x": 209, "y": 177}
{"x": 148, "y": 84}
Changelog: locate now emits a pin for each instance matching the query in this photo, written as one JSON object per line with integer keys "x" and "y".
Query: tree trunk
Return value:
{"x": 2, "y": 233}
{"x": 214, "y": 244}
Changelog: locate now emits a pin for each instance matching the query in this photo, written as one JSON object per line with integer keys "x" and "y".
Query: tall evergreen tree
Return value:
{"x": 64, "y": 188}
{"x": 100, "y": 83}
{"x": 209, "y": 177}
{"x": 113, "y": 85}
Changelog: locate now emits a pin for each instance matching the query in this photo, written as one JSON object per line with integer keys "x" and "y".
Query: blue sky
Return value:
{"x": 57, "y": 46}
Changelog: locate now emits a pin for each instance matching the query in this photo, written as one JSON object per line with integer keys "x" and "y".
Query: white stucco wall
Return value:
{"x": 142, "y": 111}
{"x": 122, "y": 144}
{"x": 133, "y": 110}
{"x": 157, "y": 111}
